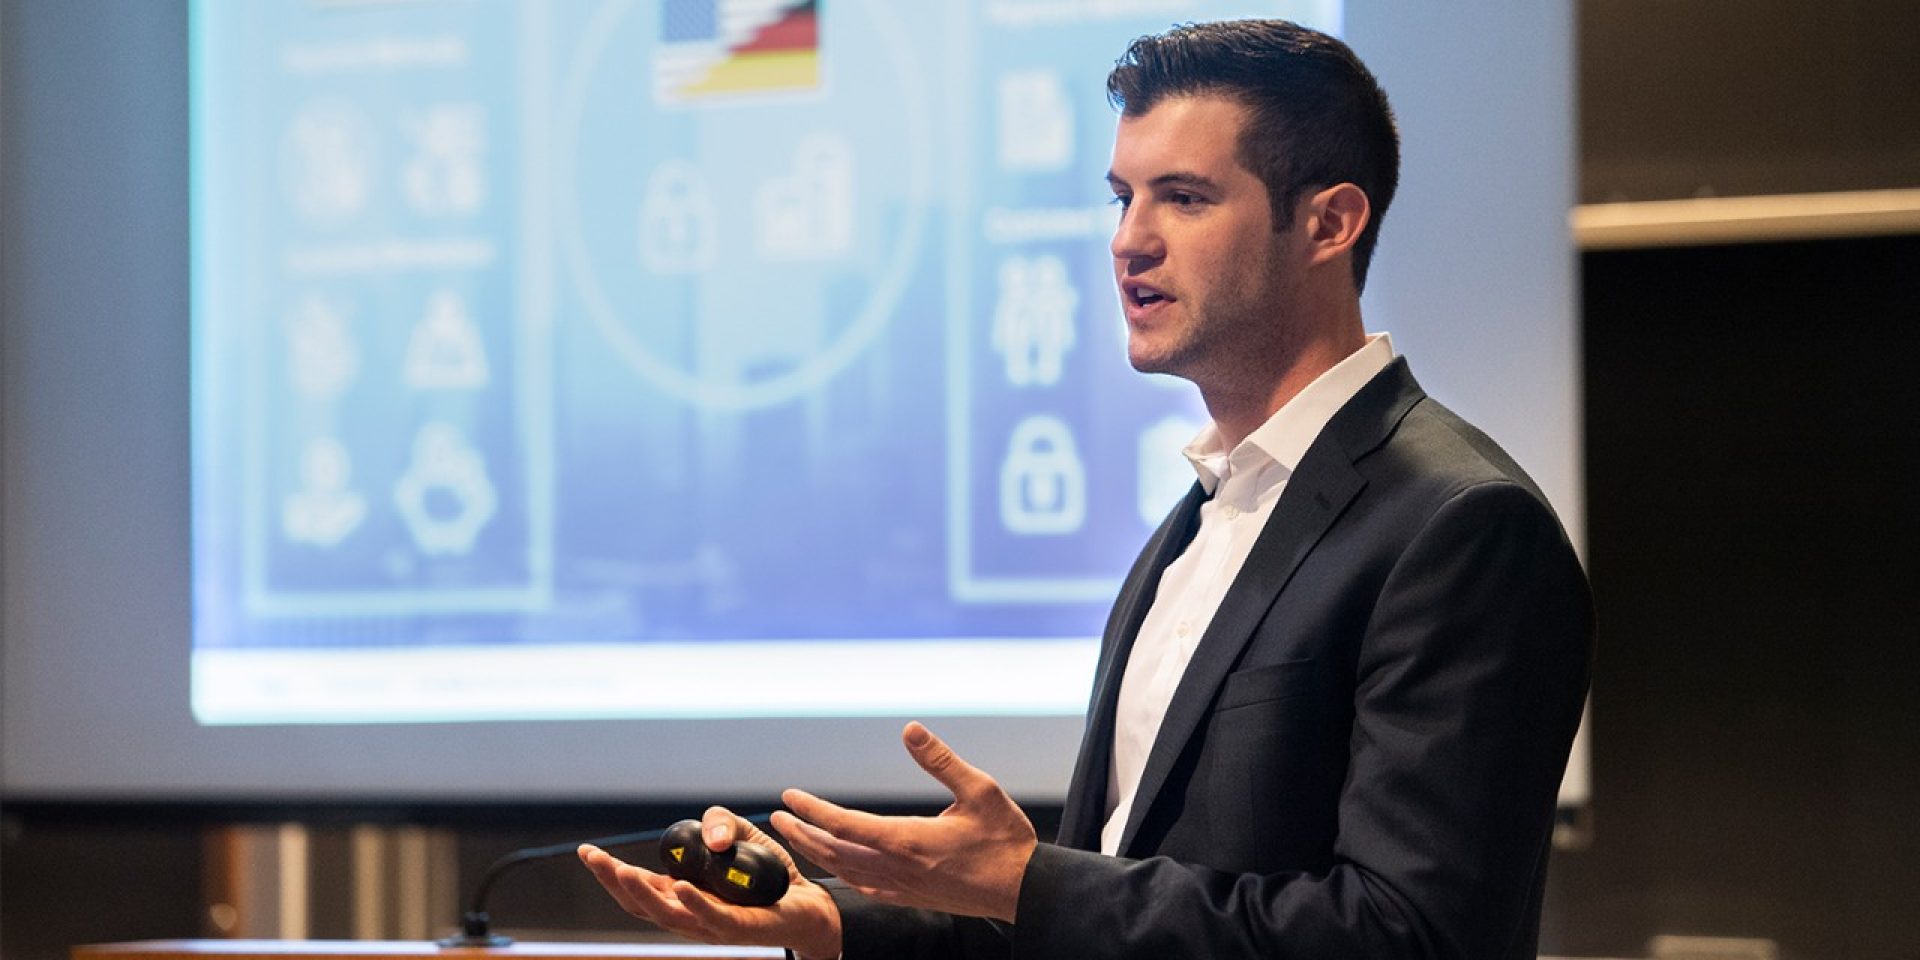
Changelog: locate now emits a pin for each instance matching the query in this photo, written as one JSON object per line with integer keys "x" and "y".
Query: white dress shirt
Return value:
{"x": 1245, "y": 482}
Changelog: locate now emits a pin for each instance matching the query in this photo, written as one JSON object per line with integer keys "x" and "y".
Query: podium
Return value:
{"x": 407, "y": 950}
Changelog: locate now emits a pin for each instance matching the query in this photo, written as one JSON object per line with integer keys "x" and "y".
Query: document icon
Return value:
{"x": 1036, "y": 122}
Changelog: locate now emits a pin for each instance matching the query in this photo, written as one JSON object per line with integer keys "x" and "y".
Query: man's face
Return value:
{"x": 1204, "y": 279}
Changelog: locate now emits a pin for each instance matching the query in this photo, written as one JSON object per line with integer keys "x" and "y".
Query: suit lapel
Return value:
{"x": 1085, "y": 808}
{"x": 1316, "y": 494}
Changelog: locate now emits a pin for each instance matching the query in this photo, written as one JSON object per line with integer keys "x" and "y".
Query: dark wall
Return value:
{"x": 1754, "y": 507}
{"x": 86, "y": 880}
{"x": 1747, "y": 97}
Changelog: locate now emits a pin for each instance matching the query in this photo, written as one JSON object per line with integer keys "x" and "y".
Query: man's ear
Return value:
{"x": 1335, "y": 218}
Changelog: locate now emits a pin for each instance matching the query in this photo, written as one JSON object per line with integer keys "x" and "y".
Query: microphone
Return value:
{"x": 745, "y": 870}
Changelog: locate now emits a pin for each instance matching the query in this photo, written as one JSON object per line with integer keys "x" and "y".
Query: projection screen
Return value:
{"x": 658, "y": 398}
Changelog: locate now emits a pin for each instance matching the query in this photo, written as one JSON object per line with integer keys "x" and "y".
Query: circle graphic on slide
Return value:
{"x": 742, "y": 244}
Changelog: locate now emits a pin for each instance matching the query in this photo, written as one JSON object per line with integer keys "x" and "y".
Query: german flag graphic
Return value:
{"x": 712, "y": 49}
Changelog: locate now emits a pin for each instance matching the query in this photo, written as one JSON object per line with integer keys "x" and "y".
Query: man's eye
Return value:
{"x": 1182, "y": 199}
{"x": 1121, "y": 200}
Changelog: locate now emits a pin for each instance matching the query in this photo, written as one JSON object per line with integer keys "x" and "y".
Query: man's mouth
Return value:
{"x": 1142, "y": 294}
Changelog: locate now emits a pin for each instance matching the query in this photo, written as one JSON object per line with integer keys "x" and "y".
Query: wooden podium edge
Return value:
{"x": 405, "y": 950}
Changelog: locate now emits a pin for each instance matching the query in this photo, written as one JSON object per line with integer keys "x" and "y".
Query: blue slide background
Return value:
{"x": 500, "y": 338}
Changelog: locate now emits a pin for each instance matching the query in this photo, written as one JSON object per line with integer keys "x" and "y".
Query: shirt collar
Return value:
{"x": 1286, "y": 435}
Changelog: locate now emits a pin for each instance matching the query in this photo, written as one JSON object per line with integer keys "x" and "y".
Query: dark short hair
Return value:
{"x": 1317, "y": 116}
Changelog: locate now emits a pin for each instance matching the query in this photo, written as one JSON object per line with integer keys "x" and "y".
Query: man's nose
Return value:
{"x": 1135, "y": 238}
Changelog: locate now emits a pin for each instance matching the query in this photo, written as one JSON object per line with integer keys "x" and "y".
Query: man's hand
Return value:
{"x": 805, "y": 920}
{"x": 966, "y": 861}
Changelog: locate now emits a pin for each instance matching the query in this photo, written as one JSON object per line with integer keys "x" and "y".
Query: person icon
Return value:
{"x": 325, "y": 509}
{"x": 1033, "y": 320}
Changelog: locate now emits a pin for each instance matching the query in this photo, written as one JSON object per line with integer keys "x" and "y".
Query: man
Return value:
{"x": 1338, "y": 688}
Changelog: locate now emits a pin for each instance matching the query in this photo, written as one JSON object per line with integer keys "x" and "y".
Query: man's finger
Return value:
{"x": 717, "y": 828}
{"x": 857, "y": 866}
{"x": 813, "y": 843}
{"x": 710, "y": 912}
{"x": 638, "y": 891}
{"x": 727, "y": 921}
{"x": 963, "y": 779}
{"x": 606, "y": 869}
{"x": 601, "y": 866}
{"x": 865, "y": 829}
{"x": 835, "y": 855}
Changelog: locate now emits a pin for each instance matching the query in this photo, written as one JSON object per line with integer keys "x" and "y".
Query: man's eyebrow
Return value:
{"x": 1177, "y": 178}
{"x": 1182, "y": 178}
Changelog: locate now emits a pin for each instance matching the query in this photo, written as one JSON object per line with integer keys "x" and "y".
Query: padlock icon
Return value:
{"x": 1043, "y": 484}
{"x": 677, "y": 221}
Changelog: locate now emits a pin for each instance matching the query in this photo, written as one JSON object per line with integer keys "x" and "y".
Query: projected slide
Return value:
{"x": 551, "y": 360}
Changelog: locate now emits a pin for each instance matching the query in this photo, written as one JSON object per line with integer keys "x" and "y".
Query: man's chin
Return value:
{"x": 1148, "y": 360}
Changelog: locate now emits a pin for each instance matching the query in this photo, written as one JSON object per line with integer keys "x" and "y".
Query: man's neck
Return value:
{"x": 1240, "y": 408}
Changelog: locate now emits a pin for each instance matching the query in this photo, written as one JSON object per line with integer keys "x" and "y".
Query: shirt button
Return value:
{"x": 1182, "y": 629}
{"x": 1230, "y": 511}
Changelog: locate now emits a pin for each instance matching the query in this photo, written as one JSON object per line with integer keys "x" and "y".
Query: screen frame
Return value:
{"x": 96, "y": 625}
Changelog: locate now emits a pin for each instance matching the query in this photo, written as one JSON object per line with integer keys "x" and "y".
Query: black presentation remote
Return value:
{"x": 746, "y": 874}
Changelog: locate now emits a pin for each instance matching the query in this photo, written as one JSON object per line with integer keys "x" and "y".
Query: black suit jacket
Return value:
{"x": 1362, "y": 757}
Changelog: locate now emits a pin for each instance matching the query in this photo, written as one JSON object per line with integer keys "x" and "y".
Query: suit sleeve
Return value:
{"x": 1468, "y": 688}
{"x": 878, "y": 931}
